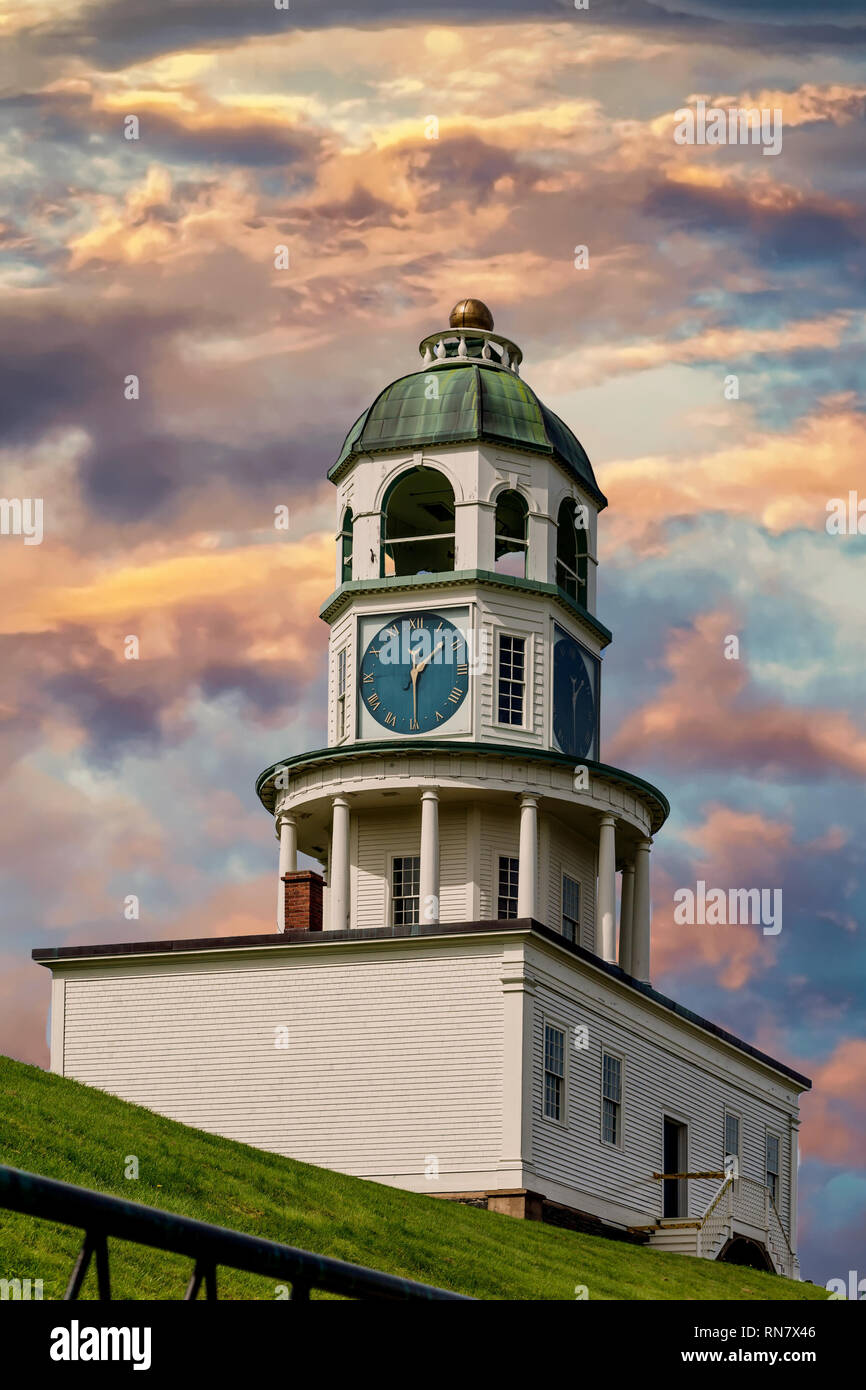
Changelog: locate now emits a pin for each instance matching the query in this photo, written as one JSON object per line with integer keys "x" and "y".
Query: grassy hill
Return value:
{"x": 64, "y": 1130}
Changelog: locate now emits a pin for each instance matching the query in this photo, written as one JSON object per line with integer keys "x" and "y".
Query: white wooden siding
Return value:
{"x": 659, "y": 1078}
{"x": 378, "y": 836}
{"x": 391, "y": 1058}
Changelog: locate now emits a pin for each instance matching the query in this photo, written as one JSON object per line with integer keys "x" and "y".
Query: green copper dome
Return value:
{"x": 474, "y": 402}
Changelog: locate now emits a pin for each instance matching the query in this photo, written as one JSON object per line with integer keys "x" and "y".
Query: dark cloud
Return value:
{"x": 797, "y": 232}
{"x": 68, "y": 118}
{"x": 62, "y": 367}
{"x": 361, "y": 208}
{"x": 131, "y": 479}
{"x": 266, "y": 693}
{"x": 118, "y": 33}
{"x": 113, "y": 719}
{"x": 466, "y": 168}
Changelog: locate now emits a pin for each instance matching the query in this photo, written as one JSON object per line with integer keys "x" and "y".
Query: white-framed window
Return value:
{"x": 554, "y": 1073}
{"x": 506, "y": 898}
{"x": 342, "y": 665}
{"x": 611, "y": 1099}
{"x": 570, "y": 908}
{"x": 732, "y": 1136}
{"x": 772, "y": 1165}
{"x": 511, "y": 680}
{"x": 405, "y": 890}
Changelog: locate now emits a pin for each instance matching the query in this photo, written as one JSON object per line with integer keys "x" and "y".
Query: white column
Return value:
{"x": 338, "y": 867}
{"x": 518, "y": 991}
{"x": 527, "y": 878}
{"x": 429, "y": 874}
{"x": 640, "y": 958}
{"x": 626, "y": 918}
{"x": 605, "y": 929}
{"x": 287, "y": 832}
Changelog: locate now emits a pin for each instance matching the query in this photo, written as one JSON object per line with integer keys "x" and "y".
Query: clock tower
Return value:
{"x": 463, "y": 781}
{"x": 457, "y": 1000}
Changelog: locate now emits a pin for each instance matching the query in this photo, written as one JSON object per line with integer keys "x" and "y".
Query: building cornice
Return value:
{"x": 656, "y": 801}
{"x": 341, "y": 598}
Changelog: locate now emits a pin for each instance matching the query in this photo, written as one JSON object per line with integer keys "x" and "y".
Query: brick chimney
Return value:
{"x": 303, "y": 900}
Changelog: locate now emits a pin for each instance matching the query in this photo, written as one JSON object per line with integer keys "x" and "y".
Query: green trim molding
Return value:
{"x": 340, "y": 599}
{"x": 656, "y": 801}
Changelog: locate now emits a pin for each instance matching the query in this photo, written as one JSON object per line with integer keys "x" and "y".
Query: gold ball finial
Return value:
{"x": 471, "y": 313}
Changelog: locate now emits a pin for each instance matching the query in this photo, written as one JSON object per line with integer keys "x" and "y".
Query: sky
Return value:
{"x": 310, "y": 128}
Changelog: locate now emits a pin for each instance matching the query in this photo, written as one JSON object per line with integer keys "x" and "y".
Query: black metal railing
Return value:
{"x": 101, "y": 1217}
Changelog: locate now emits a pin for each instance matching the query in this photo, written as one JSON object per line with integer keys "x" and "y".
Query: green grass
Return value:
{"x": 61, "y": 1129}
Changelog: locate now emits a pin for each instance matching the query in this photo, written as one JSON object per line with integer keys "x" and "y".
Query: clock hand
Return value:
{"x": 421, "y": 664}
{"x": 414, "y": 672}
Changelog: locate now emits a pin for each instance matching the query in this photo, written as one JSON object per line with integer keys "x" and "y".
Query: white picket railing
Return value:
{"x": 716, "y": 1222}
{"x": 751, "y": 1202}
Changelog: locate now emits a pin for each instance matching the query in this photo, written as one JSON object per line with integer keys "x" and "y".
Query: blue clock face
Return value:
{"x": 574, "y": 703}
{"x": 414, "y": 675}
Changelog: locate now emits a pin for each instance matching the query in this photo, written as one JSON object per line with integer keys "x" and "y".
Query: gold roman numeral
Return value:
{"x": 463, "y": 668}
{"x": 455, "y": 694}
{"x": 368, "y": 679}
{"x": 390, "y": 718}
{"x": 413, "y": 724}
{"x": 438, "y": 715}
{"x": 373, "y": 701}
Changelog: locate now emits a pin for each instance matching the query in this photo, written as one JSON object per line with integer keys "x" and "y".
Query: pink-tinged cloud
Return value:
{"x": 732, "y": 849}
{"x": 734, "y": 953}
{"x": 707, "y": 717}
{"x": 833, "y": 1113}
{"x": 834, "y": 1118}
{"x": 780, "y": 480}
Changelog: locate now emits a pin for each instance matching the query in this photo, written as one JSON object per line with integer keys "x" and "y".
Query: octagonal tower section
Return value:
{"x": 463, "y": 780}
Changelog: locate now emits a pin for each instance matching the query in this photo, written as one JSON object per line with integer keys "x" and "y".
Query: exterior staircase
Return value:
{"x": 740, "y": 1207}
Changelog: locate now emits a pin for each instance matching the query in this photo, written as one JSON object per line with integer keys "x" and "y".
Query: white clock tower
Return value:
{"x": 462, "y": 781}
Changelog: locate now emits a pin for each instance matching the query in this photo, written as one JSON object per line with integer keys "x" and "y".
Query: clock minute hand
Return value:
{"x": 421, "y": 664}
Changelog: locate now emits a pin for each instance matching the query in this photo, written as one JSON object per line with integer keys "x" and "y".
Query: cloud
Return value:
{"x": 834, "y": 1120}
{"x": 781, "y": 480}
{"x": 707, "y": 717}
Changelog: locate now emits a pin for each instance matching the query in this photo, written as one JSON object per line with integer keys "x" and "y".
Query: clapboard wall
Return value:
{"x": 666, "y": 1070}
{"x": 390, "y": 1058}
